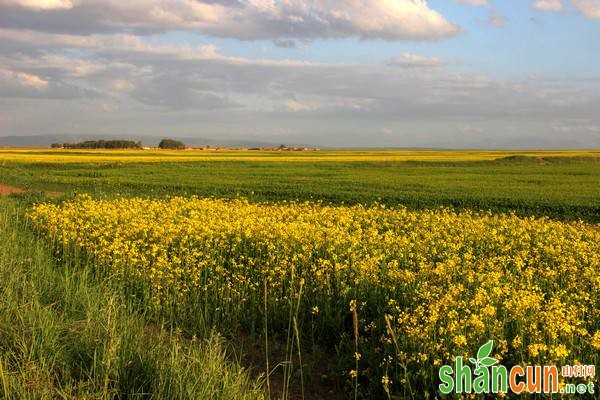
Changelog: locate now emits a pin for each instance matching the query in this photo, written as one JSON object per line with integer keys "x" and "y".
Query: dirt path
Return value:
{"x": 5, "y": 190}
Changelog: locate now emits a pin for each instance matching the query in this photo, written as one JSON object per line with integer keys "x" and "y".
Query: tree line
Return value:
{"x": 100, "y": 144}
{"x": 170, "y": 144}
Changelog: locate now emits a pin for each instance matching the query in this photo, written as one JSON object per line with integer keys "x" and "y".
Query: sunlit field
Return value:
{"x": 340, "y": 274}
{"x": 563, "y": 185}
{"x": 299, "y": 200}
{"x": 77, "y": 156}
{"x": 423, "y": 286}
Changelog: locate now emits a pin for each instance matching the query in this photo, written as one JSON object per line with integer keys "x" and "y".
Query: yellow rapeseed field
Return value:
{"x": 129, "y": 156}
{"x": 399, "y": 292}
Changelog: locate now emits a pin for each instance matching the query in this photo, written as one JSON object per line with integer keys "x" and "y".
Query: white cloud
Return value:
{"x": 247, "y": 20}
{"x": 39, "y": 4}
{"x": 497, "y": 21}
{"x": 474, "y": 2}
{"x": 122, "y": 85}
{"x": 589, "y": 8}
{"x": 296, "y": 106}
{"x": 152, "y": 85}
{"x": 23, "y": 80}
{"x": 108, "y": 108}
{"x": 32, "y": 81}
{"x": 31, "y": 38}
{"x": 20, "y": 80}
{"x": 200, "y": 77}
{"x": 548, "y": 5}
{"x": 415, "y": 60}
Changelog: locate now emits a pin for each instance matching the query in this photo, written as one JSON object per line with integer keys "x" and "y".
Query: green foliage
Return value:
{"x": 171, "y": 144}
{"x": 100, "y": 144}
{"x": 65, "y": 332}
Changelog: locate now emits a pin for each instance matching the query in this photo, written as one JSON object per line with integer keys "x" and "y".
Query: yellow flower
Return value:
{"x": 559, "y": 351}
{"x": 517, "y": 342}
{"x": 460, "y": 340}
{"x": 421, "y": 285}
{"x": 595, "y": 341}
{"x": 536, "y": 348}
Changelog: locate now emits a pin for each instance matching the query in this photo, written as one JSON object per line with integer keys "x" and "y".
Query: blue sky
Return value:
{"x": 531, "y": 43}
{"x": 441, "y": 73}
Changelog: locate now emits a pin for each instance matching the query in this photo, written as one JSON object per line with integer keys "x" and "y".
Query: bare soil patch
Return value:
{"x": 6, "y": 190}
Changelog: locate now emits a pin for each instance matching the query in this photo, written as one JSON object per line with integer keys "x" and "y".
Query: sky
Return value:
{"x": 338, "y": 73}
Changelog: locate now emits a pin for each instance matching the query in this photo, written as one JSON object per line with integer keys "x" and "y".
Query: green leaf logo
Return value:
{"x": 483, "y": 356}
{"x": 488, "y": 361}
{"x": 485, "y": 350}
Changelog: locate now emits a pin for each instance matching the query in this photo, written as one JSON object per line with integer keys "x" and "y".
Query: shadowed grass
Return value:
{"x": 65, "y": 334}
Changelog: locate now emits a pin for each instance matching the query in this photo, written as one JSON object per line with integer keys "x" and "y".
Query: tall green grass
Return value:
{"x": 67, "y": 334}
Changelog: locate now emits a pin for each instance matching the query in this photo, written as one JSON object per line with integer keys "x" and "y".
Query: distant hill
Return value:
{"x": 47, "y": 140}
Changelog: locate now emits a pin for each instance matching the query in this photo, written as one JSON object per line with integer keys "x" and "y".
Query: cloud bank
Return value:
{"x": 241, "y": 19}
{"x": 91, "y": 66}
{"x": 588, "y": 8}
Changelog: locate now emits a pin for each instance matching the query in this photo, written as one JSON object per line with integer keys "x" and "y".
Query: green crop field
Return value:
{"x": 312, "y": 274}
{"x": 563, "y": 185}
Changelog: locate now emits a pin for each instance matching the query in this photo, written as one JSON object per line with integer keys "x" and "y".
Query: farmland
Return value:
{"x": 559, "y": 184}
{"x": 388, "y": 262}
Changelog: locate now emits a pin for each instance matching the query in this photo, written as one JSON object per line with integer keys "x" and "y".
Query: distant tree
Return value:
{"x": 171, "y": 144}
{"x": 56, "y": 146}
{"x": 104, "y": 144}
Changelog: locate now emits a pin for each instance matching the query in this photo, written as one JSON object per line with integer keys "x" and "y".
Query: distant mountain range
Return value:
{"x": 47, "y": 140}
